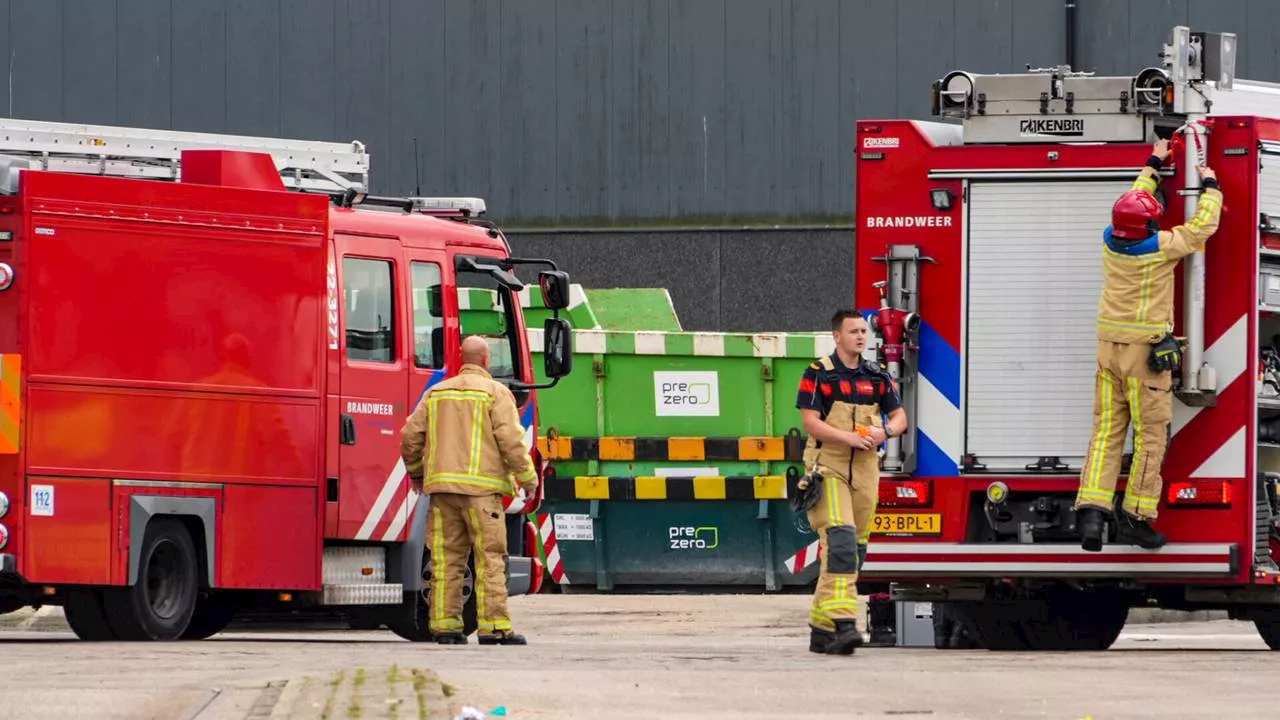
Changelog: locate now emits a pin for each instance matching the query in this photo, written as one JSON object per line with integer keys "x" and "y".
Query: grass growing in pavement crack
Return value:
{"x": 420, "y": 682}
{"x": 393, "y": 677}
{"x": 334, "y": 684}
{"x": 353, "y": 710}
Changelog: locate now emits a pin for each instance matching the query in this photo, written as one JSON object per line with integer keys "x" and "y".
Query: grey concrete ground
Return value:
{"x": 630, "y": 657}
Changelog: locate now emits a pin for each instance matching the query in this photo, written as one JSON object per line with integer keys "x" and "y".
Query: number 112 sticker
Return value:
{"x": 42, "y": 500}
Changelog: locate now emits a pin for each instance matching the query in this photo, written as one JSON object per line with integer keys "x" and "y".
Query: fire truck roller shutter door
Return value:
{"x": 1034, "y": 277}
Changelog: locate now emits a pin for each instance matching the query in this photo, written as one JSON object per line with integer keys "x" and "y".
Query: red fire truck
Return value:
{"x": 987, "y": 228}
{"x": 208, "y": 346}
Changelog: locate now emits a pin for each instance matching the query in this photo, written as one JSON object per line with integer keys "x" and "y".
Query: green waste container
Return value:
{"x": 674, "y": 455}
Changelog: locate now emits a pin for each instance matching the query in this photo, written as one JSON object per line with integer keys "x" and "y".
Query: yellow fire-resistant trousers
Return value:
{"x": 842, "y": 518}
{"x": 457, "y": 525}
{"x": 1127, "y": 390}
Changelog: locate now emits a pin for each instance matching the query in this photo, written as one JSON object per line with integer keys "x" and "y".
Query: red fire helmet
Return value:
{"x": 1134, "y": 214}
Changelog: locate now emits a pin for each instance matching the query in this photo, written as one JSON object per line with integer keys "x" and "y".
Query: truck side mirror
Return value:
{"x": 557, "y": 347}
{"x": 555, "y": 289}
{"x": 435, "y": 306}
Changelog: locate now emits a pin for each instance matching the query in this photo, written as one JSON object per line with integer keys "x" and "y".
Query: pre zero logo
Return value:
{"x": 693, "y": 538}
{"x": 692, "y": 393}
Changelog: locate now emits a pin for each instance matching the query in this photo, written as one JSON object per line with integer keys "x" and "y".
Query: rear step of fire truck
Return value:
{"x": 352, "y": 575}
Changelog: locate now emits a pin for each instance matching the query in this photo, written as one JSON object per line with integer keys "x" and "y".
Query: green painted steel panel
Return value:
{"x": 691, "y": 544}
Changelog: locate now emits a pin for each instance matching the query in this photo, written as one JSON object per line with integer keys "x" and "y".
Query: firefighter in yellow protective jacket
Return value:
{"x": 1137, "y": 354}
{"x": 843, "y": 400}
{"x": 463, "y": 445}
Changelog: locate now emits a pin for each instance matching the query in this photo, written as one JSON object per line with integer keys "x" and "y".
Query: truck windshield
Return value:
{"x": 487, "y": 309}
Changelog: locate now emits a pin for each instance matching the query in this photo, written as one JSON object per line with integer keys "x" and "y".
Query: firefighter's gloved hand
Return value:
{"x": 416, "y": 483}
{"x": 1166, "y": 354}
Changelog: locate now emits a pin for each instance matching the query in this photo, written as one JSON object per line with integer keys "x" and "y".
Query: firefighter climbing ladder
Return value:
{"x": 1197, "y": 79}
{"x": 324, "y": 167}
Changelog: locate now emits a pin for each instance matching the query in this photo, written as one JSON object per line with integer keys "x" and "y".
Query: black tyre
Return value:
{"x": 160, "y": 604}
{"x": 412, "y": 624}
{"x": 1054, "y": 619}
{"x": 212, "y": 615}
{"x": 1068, "y": 619}
{"x": 1267, "y": 621}
{"x": 84, "y": 613}
{"x": 996, "y": 624}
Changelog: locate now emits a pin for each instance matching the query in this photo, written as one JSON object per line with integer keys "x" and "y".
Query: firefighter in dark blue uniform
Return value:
{"x": 843, "y": 401}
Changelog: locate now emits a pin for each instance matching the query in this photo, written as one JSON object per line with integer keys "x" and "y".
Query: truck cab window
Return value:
{"x": 485, "y": 309}
{"x": 369, "y": 300}
{"x": 428, "y": 315}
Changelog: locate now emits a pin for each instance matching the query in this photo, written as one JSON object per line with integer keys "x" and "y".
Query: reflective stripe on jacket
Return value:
{"x": 465, "y": 437}
{"x": 1137, "y": 278}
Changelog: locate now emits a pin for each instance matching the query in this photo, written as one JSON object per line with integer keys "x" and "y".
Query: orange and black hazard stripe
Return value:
{"x": 712, "y": 487}
{"x": 628, "y": 449}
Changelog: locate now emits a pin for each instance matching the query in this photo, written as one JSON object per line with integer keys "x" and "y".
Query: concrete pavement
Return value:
{"x": 626, "y": 658}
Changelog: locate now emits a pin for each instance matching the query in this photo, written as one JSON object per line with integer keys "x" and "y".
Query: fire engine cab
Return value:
{"x": 986, "y": 228}
{"x": 208, "y": 347}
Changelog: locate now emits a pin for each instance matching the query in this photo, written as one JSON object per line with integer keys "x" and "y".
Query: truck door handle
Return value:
{"x": 348, "y": 430}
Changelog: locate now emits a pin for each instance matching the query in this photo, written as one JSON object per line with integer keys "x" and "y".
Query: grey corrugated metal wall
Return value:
{"x": 571, "y": 113}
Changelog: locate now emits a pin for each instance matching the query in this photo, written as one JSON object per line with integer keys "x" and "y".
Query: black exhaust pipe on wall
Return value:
{"x": 1070, "y": 24}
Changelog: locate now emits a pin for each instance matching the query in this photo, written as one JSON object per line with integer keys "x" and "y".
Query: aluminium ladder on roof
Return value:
{"x": 329, "y": 167}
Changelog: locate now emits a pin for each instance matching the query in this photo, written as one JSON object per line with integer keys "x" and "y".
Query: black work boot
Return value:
{"x": 1092, "y": 523}
{"x": 503, "y": 638}
{"x": 882, "y": 625}
{"x": 1134, "y": 531}
{"x": 450, "y": 638}
{"x": 820, "y": 640}
{"x": 847, "y": 638}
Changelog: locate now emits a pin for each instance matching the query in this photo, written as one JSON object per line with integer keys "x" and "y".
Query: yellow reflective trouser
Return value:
{"x": 842, "y": 518}
{"x": 1127, "y": 390}
{"x": 456, "y": 525}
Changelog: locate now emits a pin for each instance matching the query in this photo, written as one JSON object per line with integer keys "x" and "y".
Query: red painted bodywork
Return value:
{"x": 180, "y": 339}
{"x": 895, "y": 182}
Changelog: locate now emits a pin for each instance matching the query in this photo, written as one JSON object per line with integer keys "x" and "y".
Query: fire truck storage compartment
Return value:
{"x": 1034, "y": 276}
{"x": 1269, "y": 188}
{"x": 1268, "y": 383}
{"x": 1269, "y": 285}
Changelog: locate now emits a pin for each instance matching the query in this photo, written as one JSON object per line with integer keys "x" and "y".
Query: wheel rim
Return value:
{"x": 428, "y": 579}
{"x": 166, "y": 583}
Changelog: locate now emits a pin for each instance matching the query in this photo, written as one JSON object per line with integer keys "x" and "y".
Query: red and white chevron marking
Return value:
{"x": 1217, "y": 449}
{"x": 546, "y": 529}
{"x": 803, "y": 558}
{"x": 390, "y": 512}
{"x": 393, "y": 507}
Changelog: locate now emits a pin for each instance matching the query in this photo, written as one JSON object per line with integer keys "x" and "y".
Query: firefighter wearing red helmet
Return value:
{"x": 1137, "y": 354}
